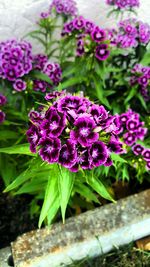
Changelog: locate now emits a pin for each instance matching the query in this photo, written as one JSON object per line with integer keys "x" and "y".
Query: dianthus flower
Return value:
{"x": 65, "y": 7}
{"x": 89, "y": 38}
{"x": 131, "y": 127}
{"x": 123, "y": 4}
{"x": 141, "y": 78}
{"x": 142, "y": 153}
{"x": 3, "y": 100}
{"x": 2, "y": 116}
{"x": 74, "y": 132}
{"x": 16, "y": 59}
{"x": 51, "y": 69}
{"x": 130, "y": 33}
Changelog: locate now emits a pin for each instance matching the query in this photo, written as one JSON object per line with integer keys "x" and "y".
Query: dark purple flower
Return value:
{"x": 33, "y": 137}
{"x": 19, "y": 85}
{"x": 89, "y": 25}
{"x": 69, "y": 103}
{"x": 98, "y": 34}
{"x": 49, "y": 149}
{"x": 99, "y": 113}
{"x": 3, "y": 100}
{"x": 53, "y": 124}
{"x": 108, "y": 162}
{"x": 129, "y": 138}
{"x": 80, "y": 47}
{"x": 143, "y": 81}
{"x": 84, "y": 131}
{"x": 98, "y": 154}
{"x": 146, "y": 154}
{"x": 39, "y": 86}
{"x": 148, "y": 165}
{"x": 115, "y": 146}
{"x": 2, "y": 116}
{"x": 132, "y": 125}
{"x": 137, "y": 149}
{"x": 102, "y": 52}
{"x": 79, "y": 23}
{"x": 68, "y": 154}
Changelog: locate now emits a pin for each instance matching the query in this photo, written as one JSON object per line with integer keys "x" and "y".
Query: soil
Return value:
{"x": 14, "y": 217}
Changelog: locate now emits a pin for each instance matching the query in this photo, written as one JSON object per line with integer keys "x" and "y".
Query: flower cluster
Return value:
{"x": 3, "y": 101}
{"x": 141, "y": 77}
{"x": 123, "y": 4}
{"x": 74, "y": 132}
{"x": 51, "y": 69}
{"x": 66, "y": 7}
{"x": 131, "y": 127}
{"x": 16, "y": 61}
{"x": 143, "y": 154}
{"x": 89, "y": 38}
{"x": 130, "y": 33}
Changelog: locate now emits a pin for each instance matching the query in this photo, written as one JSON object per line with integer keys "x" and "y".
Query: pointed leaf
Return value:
{"x": 84, "y": 191}
{"x": 66, "y": 181}
{"x": 99, "y": 187}
{"x": 18, "y": 149}
{"x": 51, "y": 194}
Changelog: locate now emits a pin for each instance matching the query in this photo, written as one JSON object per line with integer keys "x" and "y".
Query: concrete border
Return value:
{"x": 89, "y": 234}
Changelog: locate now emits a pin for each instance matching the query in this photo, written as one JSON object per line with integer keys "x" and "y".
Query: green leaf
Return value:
{"x": 7, "y": 169}
{"x": 99, "y": 187}
{"x": 117, "y": 158}
{"x": 143, "y": 103}
{"x": 131, "y": 94}
{"x": 125, "y": 173}
{"x": 70, "y": 82}
{"x": 53, "y": 209}
{"x": 51, "y": 194}
{"x": 18, "y": 149}
{"x": 100, "y": 92}
{"x": 66, "y": 181}
{"x": 84, "y": 191}
{"x": 40, "y": 76}
{"x": 7, "y": 134}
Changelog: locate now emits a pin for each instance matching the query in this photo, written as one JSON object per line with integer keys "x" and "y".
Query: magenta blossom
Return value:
{"x": 69, "y": 132}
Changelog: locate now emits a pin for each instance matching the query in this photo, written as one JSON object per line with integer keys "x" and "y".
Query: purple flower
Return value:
{"x": 80, "y": 47}
{"x": 2, "y": 116}
{"x": 49, "y": 149}
{"x": 123, "y": 4}
{"x": 68, "y": 154}
{"x": 137, "y": 149}
{"x": 82, "y": 160}
{"x": 69, "y": 103}
{"x": 3, "y": 100}
{"x": 53, "y": 124}
{"x": 108, "y": 162}
{"x": 143, "y": 81}
{"x": 132, "y": 125}
{"x": 98, "y": 35}
{"x": 148, "y": 165}
{"x": 39, "y": 86}
{"x": 98, "y": 154}
{"x": 84, "y": 131}
{"x": 79, "y": 23}
{"x": 115, "y": 146}
{"x": 16, "y": 59}
{"x": 98, "y": 113}
{"x": 129, "y": 138}
{"x": 102, "y": 52}
{"x": 146, "y": 154}
{"x": 33, "y": 136}
{"x": 66, "y": 7}
{"x": 19, "y": 85}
